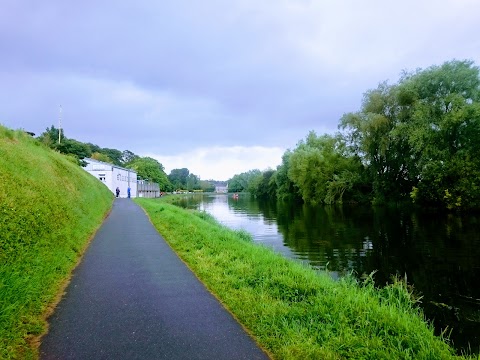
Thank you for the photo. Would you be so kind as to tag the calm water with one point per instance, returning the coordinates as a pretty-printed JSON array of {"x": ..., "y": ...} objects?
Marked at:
[{"x": 439, "y": 253}]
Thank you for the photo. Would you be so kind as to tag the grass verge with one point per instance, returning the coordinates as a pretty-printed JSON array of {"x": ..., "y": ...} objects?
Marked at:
[
  {"x": 49, "y": 209},
  {"x": 291, "y": 310}
]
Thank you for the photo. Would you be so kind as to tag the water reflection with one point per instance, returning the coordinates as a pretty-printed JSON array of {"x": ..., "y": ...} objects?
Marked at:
[{"x": 439, "y": 253}]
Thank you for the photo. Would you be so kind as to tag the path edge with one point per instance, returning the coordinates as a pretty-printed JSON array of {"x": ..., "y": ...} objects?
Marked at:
[
  {"x": 35, "y": 341},
  {"x": 249, "y": 333}
]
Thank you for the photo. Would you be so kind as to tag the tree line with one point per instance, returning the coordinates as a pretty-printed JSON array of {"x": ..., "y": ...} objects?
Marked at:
[
  {"x": 417, "y": 140},
  {"x": 147, "y": 168}
]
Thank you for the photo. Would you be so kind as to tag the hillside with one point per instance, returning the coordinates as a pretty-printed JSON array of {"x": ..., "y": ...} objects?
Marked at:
[{"x": 49, "y": 209}]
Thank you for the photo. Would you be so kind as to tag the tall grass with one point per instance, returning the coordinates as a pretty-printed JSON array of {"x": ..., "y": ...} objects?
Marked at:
[
  {"x": 49, "y": 208},
  {"x": 291, "y": 310}
]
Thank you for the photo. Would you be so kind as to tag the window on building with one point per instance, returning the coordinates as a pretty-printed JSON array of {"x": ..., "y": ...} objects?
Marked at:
[
  {"x": 102, "y": 177},
  {"x": 119, "y": 177}
]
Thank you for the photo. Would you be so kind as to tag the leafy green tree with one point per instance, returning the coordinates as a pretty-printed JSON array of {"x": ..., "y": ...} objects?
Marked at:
[
  {"x": 178, "y": 178},
  {"x": 193, "y": 182},
  {"x": 151, "y": 170},
  {"x": 444, "y": 133},
  {"x": 207, "y": 186},
  {"x": 49, "y": 137},
  {"x": 420, "y": 137},
  {"x": 254, "y": 184},
  {"x": 374, "y": 135},
  {"x": 262, "y": 186},
  {"x": 322, "y": 169},
  {"x": 285, "y": 188},
  {"x": 236, "y": 184},
  {"x": 128, "y": 157},
  {"x": 94, "y": 148},
  {"x": 66, "y": 146},
  {"x": 240, "y": 182},
  {"x": 101, "y": 157},
  {"x": 113, "y": 154},
  {"x": 77, "y": 148}
]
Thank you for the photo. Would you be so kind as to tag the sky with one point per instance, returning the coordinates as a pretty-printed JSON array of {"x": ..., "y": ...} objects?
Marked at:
[{"x": 218, "y": 87}]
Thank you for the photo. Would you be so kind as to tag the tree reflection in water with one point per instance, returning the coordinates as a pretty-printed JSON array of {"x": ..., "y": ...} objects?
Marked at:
[{"x": 438, "y": 253}]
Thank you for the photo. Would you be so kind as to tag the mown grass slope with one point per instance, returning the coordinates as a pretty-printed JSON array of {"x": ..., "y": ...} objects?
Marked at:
[
  {"x": 49, "y": 209},
  {"x": 293, "y": 311}
]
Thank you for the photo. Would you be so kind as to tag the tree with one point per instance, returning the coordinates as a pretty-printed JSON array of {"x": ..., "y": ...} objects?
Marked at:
[
  {"x": 71, "y": 146},
  {"x": 322, "y": 169},
  {"x": 101, "y": 157},
  {"x": 178, "y": 178},
  {"x": 151, "y": 170},
  {"x": 373, "y": 134},
  {"x": 207, "y": 186},
  {"x": 262, "y": 186},
  {"x": 49, "y": 137},
  {"x": 240, "y": 182},
  {"x": 94, "y": 148},
  {"x": 285, "y": 188},
  {"x": 444, "y": 133},
  {"x": 67, "y": 146},
  {"x": 128, "y": 157},
  {"x": 420, "y": 137},
  {"x": 114, "y": 154},
  {"x": 193, "y": 182}
]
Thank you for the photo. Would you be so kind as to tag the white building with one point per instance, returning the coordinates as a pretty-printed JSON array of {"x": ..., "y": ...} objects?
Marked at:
[
  {"x": 221, "y": 187},
  {"x": 113, "y": 176}
]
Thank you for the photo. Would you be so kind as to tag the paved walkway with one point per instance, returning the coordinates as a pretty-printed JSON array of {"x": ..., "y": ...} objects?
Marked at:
[{"x": 132, "y": 298}]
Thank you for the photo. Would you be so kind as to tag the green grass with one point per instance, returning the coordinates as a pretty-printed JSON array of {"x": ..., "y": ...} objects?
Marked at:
[
  {"x": 49, "y": 209},
  {"x": 292, "y": 311}
]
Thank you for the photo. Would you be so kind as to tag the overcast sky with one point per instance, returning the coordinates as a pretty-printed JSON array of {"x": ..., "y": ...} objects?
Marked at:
[{"x": 219, "y": 87}]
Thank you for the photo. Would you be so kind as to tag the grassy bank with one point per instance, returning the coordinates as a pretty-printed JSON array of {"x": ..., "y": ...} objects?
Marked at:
[
  {"x": 49, "y": 208},
  {"x": 292, "y": 311}
]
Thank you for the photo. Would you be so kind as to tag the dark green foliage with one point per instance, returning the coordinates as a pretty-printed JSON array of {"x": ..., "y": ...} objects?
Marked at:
[
  {"x": 241, "y": 182},
  {"x": 207, "y": 186},
  {"x": 421, "y": 136},
  {"x": 263, "y": 185},
  {"x": 66, "y": 146},
  {"x": 178, "y": 178},
  {"x": 151, "y": 170},
  {"x": 417, "y": 140},
  {"x": 444, "y": 132},
  {"x": 193, "y": 182},
  {"x": 128, "y": 157},
  {"x": 285, "y": 188},
  {"x": 116, "y": 156},
  {"x": 323, "y": 170}
]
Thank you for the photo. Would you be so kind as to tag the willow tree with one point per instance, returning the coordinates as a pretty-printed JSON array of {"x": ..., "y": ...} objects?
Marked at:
[
  {"x": 444, "y": 133},
  {"x": 373, "y": 134},
  {"x": 322, "y": 169},
  {"x": 285, "y": 188},
  {"x": 421, "y": 137}
]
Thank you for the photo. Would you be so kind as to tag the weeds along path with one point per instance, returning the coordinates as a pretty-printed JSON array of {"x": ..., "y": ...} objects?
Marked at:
[{"x": 133, "y": 298}]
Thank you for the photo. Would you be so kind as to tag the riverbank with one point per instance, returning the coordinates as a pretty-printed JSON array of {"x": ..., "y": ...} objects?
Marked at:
[
  {"x": 49, "y": 208},
  {"x": 291, "y": 310}
]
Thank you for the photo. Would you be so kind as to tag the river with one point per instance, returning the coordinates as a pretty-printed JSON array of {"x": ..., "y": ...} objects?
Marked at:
[{"x": 438, "y": 253}]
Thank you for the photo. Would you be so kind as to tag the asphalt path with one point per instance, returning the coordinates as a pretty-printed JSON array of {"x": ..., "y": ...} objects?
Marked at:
[{"x": 131, "y": 297}]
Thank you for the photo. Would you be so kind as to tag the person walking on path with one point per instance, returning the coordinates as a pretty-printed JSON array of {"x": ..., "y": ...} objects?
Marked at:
[
  {"x": 131, "y": 297},
  {"x": 128, "y": 192},
  {"x": 117, "y": 191}
]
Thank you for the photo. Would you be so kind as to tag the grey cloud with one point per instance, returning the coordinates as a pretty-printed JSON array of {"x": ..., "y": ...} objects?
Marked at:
[{"x": 196, "y": 74}]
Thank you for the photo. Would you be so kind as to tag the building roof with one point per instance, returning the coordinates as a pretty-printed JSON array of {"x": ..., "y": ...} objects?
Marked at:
[{"x": 90, "y": 160}]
